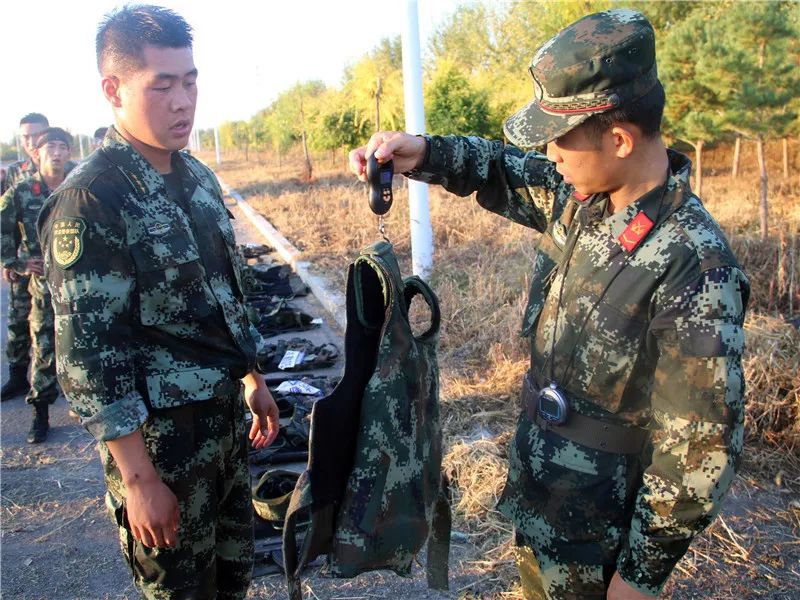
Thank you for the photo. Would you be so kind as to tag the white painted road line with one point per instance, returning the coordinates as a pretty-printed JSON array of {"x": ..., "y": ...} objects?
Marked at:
[{"x": 332, "y": 299}]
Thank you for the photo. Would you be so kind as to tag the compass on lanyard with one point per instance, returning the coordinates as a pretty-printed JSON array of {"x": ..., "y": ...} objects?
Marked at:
[{"x": 379, "y": 179}]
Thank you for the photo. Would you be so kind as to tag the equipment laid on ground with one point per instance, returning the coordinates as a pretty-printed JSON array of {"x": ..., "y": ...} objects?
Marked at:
[{"x": 270, "y": 290}]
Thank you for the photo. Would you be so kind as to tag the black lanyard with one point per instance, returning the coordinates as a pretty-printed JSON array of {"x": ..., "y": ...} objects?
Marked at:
[{"x": 569, "y": 249}]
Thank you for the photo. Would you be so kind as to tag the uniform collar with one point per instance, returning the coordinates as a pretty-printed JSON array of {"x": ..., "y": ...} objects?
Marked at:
[
  {"x": 145, "y": 179},
  {"x": 38, "y": 178},
  {"x": 650, "y": 203}
]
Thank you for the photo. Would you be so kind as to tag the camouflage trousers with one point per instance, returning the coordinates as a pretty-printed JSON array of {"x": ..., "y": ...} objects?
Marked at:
[
  {"x": 200, "y": 452},
  {"x": 44, "y": 384},
  {"x": 18, "y": 344},
  {"x": 571, "y": 507},
  {"x": 546, "y": 577}
]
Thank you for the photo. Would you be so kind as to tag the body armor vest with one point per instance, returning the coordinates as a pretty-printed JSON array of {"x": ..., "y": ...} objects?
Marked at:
[{"x": 373, "y": 485}]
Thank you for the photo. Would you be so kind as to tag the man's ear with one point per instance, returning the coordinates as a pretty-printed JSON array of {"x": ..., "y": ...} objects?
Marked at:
[
  {"x": 110, "y": 85},
  {"x": 624, "y": 140}
]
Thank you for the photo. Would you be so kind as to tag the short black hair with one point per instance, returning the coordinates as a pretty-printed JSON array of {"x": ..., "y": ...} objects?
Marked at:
[
  {"x": 123, "y": 34},
  {"x": 53, "y": 134},
  {"x": 34, "y": 118},
  {"x": 646, "y": 113},
  {"x": 100, "y": 133}
]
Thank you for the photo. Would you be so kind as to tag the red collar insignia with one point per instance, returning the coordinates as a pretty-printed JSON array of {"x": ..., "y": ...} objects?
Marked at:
[
  {"x": 635, "y": 231},
  {"x": 36, "y": 188},
  {"x": 25, "y": 166}
]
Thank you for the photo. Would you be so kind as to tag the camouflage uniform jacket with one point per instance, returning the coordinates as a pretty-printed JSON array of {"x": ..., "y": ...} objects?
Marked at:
[
  {"x": 23, "y": 169},
  {"x": 19, "y": 209},
  {"x": 651, "y": 337},
  {"x": 143, "y": 320},
  {"x": 18, "y": 171}
]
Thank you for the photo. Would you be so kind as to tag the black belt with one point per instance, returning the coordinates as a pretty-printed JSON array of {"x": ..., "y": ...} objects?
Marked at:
[{"x": 586, "y": 431}]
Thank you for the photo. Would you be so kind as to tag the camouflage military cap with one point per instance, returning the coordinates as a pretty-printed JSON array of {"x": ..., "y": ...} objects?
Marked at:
[{"x": 596, "y": 64}]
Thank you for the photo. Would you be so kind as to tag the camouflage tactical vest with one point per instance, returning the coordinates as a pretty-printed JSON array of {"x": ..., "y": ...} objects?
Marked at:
[{"x": 373, "y": 485}]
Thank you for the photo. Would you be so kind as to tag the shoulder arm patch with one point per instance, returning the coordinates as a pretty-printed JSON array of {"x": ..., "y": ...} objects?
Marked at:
[{"x": 67, "y": 241}]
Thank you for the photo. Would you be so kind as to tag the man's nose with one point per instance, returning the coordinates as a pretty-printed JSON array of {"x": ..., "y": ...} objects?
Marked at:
[
  {"x": 181, "y": 99},
  {"x": 552, "y": 153}
]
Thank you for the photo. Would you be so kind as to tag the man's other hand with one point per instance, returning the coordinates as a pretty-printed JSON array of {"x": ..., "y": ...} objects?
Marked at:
[
  {"x": 618, "y": 589},
  {"x": 34, "y": 266},
  {"x": 407, "y": 152},
  {"x": 10, "y": 276},
  {"x": 265, "y": 412},
  {"x": 153, "y": 513},
  {"x": 152, "y": 508}
]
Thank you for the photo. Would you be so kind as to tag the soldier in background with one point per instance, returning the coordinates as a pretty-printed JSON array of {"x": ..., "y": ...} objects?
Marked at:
[
  {"x": 30, "y": 126},
  {"x": 18, "y": 344},
  {"x": 97, "y": 138},
  {"x": 20, "y": 252},
  {"x": 152, "y": 334},
  {"x": 633, "y": 418}
]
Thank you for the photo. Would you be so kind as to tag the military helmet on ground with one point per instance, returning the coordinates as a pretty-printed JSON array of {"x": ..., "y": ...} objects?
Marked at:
[{"x": 272, "y": 493}]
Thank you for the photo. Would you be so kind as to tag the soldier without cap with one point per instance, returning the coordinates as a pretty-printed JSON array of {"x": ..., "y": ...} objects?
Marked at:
[
  {"x": 634, "y": 404},
  {"x": 18, "y": 344},
  {"x": 151, "y": 329},
  {"x": 30, "y": 126},
  {"x": 97, "y": 137}
]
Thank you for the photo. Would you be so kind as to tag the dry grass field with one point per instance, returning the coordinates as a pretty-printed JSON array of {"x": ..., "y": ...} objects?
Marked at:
[{"x": 481, "y": 266}]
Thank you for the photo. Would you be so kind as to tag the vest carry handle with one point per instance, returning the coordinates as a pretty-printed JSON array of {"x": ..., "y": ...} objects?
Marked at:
[{"x": 414, "y": 286}]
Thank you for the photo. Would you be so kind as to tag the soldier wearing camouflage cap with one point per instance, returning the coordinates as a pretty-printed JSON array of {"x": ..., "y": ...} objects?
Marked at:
[
  {"x": 633, "y": 408},
  {"x": 20, "y": 252},
  {"x": 152, "y": 334}
]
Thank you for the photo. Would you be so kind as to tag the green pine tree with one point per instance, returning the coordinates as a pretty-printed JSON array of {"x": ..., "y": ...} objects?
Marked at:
[
  {"x": 693, "y": 110},
  {"x": 751, "y": 63}
]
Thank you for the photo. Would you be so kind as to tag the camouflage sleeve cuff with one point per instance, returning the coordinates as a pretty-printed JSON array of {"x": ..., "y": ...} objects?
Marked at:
[
  {"x": 647, "y": 577},
  {"x": 462, "y": 165},
  {"x": 261, "y": 349},
  {"x": 424, "y": 169},
  {"x": 120, "y": 418}
]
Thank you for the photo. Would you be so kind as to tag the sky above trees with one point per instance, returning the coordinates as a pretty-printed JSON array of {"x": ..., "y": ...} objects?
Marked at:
[{"x": 247, "y": 53}]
